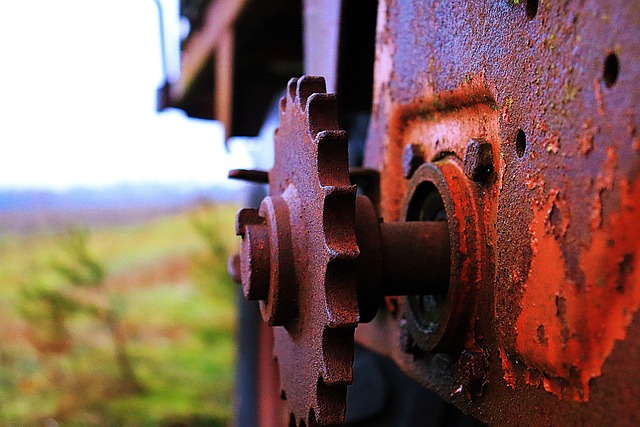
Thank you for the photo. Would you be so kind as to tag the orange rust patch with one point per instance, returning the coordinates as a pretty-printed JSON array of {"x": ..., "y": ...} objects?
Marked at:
[
  {"x": 597, "y": 89},
  {"x": 392, "y": 183},
  {"x": 567, "y": 331},
  {"x": 534, "y": 181},
  {"x": 441, "y": 123},
  {"x": 585, "y": 140},
  {"x": 586, "y": 143},
  {"x": 604, "y": 181},
  {"x": 532, "y": 378},
  {"x": 551, "y": 142}
]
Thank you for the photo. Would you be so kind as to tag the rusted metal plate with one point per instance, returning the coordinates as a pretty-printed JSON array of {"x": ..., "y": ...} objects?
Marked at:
[{"x": 552, "y": 87}]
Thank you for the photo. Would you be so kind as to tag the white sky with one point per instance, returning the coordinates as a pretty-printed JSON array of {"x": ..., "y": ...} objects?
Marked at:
[{"x": 78, "y": 83}]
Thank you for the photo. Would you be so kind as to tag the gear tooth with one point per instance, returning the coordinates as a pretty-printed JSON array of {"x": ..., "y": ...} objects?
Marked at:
[
  {"x": 331, "y": 407},
  {"x": 340, "y": 294},
  {"x": 337, "y": 348},
  {"x": 322, "y": 113},
  {"x": 333, "y": 158},
  {"x": 338, "y": 217},
  {"x": 311, "y": 419},
  {"x": 291, "y": 88},
  {"x": 308, "y": 85}
]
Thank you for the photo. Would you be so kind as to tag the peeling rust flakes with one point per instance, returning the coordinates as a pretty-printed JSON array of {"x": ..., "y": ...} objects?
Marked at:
[
  {"x": 585, "y": 139},
  {"x": 567, "y": 256},
  {"x": 603, "y": 182},
  {"x": 585, "y": 142},
  {"x": 625, "y": 268},
  {"x": 505, "y": 111},
  {"x": 534, "y": 182},
  {"x": 542, "y": 336},
  {"x": 551, "y": 142},
  {"x": 558, "y": 217},
  {"x": 597, "y": 89},
  {"x": 469, "y": 107},
  {"x": 566, "y": 332},
  {"x": 595, "y": 219}
]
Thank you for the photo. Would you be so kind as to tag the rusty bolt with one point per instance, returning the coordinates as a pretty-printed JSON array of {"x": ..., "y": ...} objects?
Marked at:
[
  {"x": 412, "y": 158},
  {"x": 478, "y": 159}
]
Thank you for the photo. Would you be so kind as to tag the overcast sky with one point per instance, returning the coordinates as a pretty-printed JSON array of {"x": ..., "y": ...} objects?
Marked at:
[{"x": 77, "y": 100}]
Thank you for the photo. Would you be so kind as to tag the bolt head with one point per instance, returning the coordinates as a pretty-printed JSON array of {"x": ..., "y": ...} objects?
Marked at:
[{"x": 478, "y": 160}]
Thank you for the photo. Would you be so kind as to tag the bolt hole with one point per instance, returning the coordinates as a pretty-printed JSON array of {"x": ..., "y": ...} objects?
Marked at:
[
  {"x": 611, "y": 69},
  {"x": 427, "y": 205},
  {"x": 532, "y": 8},
  {"x": 521, "y": 143}
]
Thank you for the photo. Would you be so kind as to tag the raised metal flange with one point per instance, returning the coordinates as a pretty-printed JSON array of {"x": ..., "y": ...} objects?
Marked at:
[{"x": 437, "y": 192}]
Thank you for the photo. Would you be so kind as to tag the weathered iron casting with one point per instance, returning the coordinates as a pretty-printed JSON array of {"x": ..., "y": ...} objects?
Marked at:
[
  {"x": 546, "y": 95},
  {"x": 318, "y": 258},
  {"x": 507, "y": 138}
]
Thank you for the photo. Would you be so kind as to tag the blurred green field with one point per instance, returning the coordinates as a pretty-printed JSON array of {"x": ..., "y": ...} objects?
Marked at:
[{"x": 166, "y": 281}]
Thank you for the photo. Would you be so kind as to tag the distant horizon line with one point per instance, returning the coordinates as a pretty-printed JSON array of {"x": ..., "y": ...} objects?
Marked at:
[{"x": 187, "y": 184}]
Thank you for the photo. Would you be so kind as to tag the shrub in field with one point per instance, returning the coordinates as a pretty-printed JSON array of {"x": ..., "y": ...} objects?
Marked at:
[
  {"x": 149, "y": 298},
  {"x": 76, "y": 286}
]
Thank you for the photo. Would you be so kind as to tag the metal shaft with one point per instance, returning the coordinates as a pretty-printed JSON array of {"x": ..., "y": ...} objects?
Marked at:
[{"x": 416, "y": 257}]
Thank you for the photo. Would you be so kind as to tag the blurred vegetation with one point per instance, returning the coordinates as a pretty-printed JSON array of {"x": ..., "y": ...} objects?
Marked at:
[{"x": 126, "y": 325}]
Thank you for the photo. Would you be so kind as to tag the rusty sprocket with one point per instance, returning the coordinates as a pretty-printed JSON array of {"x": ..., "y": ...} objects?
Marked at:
[
  {"x": 299, "y": 255},
  {"x": 315, "y": 351}
]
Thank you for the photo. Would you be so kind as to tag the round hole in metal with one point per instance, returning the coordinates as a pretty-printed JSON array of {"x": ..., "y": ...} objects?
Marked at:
[{"x": 427, "y": 205}]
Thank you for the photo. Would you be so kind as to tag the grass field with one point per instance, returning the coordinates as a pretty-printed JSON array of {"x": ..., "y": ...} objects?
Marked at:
[{"x": 167, "y": 289}]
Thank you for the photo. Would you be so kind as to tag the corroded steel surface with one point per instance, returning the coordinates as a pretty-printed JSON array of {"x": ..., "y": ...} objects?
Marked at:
[{"x": 552, "y": 87}]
